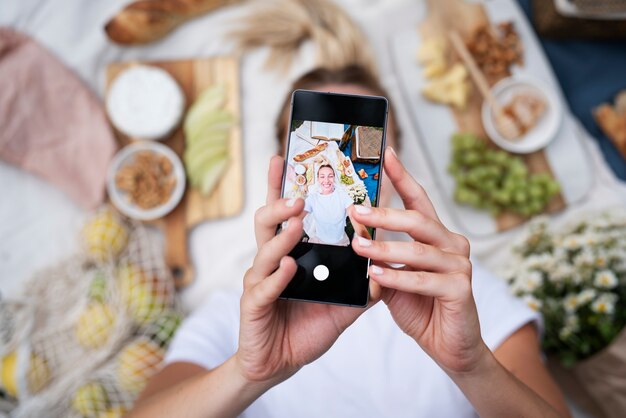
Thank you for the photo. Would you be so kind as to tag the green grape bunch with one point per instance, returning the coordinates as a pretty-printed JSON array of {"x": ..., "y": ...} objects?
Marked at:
[{"x": 494, "y": 180}]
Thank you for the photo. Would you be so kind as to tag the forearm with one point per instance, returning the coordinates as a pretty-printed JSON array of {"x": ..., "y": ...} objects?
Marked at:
[
  {"x": 495, "y": 392},
  {"x": 221, "y": 392}
]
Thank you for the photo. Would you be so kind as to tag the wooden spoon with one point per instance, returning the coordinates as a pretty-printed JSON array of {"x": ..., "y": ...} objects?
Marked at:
[{"x": 504, "y": 123}]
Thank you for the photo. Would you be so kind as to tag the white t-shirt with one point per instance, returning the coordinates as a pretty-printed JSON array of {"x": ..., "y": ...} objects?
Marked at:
[
  {"x": 329, "y": 212},
  {"x": 373, "y": 370}
]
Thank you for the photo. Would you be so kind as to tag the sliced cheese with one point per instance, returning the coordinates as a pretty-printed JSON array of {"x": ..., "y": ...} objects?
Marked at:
[{"x": 451, "y": 88}]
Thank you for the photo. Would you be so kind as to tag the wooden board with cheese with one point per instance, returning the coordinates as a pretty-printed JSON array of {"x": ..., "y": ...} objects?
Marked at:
[
  {"x": 226, "y": 199},
  {"x": 438, "y": 18}
]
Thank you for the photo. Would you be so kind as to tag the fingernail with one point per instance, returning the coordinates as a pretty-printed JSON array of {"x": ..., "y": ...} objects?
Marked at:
[
  {"x": 393, "y": 151},
  {"x": 363, "y": 242},
  {"x": 363, "y": 210},
  {"x": 286, "y": 224},
  {"x": 283, "y": 260},
  {"x": 290, "y": 202},
  {"x": 377, "y": 270}
]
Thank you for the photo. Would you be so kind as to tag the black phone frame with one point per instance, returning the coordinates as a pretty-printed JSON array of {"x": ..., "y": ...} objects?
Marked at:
[{"x": 353, "y": 290}]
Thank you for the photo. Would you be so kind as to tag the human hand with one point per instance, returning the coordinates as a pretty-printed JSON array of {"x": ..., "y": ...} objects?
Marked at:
[
  {"x": 431, "y": 297},
  {"x": 278, "y": 337}
]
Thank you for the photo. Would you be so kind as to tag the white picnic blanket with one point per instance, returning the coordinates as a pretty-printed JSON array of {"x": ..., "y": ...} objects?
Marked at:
[{"x": 38, "y": 224}]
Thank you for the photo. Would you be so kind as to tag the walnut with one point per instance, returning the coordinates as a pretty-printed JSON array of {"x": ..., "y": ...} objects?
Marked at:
[
  {"x": 147, "y": 179},
  {"x": 496, "y": 49}
]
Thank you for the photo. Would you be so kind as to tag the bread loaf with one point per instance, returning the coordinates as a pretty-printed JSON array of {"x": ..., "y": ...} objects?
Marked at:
[
  {"x": 146, "y": 21},
  {"x": 311, "y": 153}
]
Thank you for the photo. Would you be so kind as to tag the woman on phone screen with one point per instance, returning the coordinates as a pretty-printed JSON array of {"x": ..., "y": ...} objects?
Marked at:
[{"x": 327, "y": 204}]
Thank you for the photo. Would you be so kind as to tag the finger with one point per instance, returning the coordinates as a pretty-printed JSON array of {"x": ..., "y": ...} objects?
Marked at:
[
  {"x": 447, "y": 287},
  {"x": 417, "y": 225},
  {"x": 411, "y": 192},
  {"x": 268, "y": 217},
  {"x": 275, "y": 179},
  {"x": 415, "y": 255},
  {"x": 270, "y": 288},
  {"x": 375, "y": 292},
  {"x": 270, "y": 253}
]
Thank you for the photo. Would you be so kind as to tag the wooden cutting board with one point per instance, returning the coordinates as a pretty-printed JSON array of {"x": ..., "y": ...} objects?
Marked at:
[
  {"x": 465, "y": 18},
  {"x": 226, "y": 200}
]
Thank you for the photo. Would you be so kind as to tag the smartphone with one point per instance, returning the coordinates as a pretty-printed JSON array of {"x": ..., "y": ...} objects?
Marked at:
[{"x": 333, "y": 160}]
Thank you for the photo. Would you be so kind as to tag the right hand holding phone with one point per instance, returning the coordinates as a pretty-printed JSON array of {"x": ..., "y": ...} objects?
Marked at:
[
  {"x": 278, "y": 337},
  {"x": 431, "y": 297}
]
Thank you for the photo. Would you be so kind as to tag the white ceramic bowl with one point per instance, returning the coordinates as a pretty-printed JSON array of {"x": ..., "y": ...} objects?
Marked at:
[
  {"x": 548, "y": 125},
  {"x": 119, "y": 198},
  {"x": 145, "y": 102}
]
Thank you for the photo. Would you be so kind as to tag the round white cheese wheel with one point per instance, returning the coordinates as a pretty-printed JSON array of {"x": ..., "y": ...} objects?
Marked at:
[{"x": 145, "y": 102}]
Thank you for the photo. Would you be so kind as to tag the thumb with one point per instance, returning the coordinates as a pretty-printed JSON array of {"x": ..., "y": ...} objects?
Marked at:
[{"x": 270, "y": 288}]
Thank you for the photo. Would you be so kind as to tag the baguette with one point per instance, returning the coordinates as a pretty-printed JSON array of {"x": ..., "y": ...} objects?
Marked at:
[
  {"x": 310, "y": 153},
  {"x": 146, "y": 21}
]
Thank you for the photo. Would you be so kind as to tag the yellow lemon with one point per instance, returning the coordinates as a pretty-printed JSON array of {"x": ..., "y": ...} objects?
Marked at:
[
  {"x": 90, "y": 400},
  {"x": 145, "y": 297},
  {"x": 105, "y": 236},
  {"x": 38, "y": 374},
  {"x": 95, "y": 324},
  {"x": 98, "y": 287},
  {"x": 9, "y": 373},
  {"x": 164, "y": 327},
  {"x": 137, "y": 362}
]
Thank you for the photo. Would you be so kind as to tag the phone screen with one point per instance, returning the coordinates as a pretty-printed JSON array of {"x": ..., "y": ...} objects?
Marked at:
[{"x": 333, "y": 161}]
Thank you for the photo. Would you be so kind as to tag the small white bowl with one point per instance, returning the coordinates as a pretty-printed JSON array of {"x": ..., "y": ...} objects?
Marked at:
[
  {"x": 300, "y": 169},
  {"x": 540, "y": 135},
  {"x": 145, "y": 102},
  {"x": 118, "y": 197}
]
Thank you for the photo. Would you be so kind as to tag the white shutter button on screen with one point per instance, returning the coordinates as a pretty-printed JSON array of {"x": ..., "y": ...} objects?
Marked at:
[{"x": 321, "y": 272}]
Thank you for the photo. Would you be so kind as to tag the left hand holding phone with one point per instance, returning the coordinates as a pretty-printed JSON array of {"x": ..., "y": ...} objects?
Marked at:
[{"x": 278, "y": 337}]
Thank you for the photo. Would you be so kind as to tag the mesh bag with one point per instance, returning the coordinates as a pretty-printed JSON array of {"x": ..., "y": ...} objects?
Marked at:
[{"x": 88, "y": 333}]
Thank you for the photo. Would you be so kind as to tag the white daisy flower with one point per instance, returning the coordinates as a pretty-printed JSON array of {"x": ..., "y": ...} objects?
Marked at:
[
  {"x": 605, "y": 279},
  {"x": 602, "y": 259},
  {"x": 565, "y": 333},
  {"x": 542, "y": 261},
  {"x": 571, "y": 321},
  {"x": 586, "y": 296},
  {"x": 532, "y": 280},
  {"x": 562, "y": 271},
  {"x": 532, "y": 302},
  {"x": 601, "y": 222},
  {"x": 590, "y": 239},
  {"x": 585, "y": 258},
  {"x": 604, "y": 304},
  {"x": 570, "y": 303},
  {"x": 572, "y": 242}
]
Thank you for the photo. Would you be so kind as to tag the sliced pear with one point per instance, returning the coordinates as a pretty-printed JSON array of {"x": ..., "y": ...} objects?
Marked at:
[
  {"x": 196, "y": 173},
  {"x": 198, "y": 162},
  {"x": 216, "y": 123},
  {"x": 210, "y": 99},
  {"x": 212, "y": 176},
  {"x": 207, "y": 130}
]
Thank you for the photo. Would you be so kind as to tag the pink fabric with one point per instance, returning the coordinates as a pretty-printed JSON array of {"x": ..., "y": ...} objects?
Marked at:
[{"x": 50, "y": 123}]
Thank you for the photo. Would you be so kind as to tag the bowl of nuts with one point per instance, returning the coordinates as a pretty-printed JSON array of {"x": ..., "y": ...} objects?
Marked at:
[{"x": 146, "y": 180}]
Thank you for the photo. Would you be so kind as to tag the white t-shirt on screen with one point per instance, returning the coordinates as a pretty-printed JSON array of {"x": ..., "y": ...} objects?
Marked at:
[
  {"x": 329, "y": 213},
  {"x": 373, "y": 370}
]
